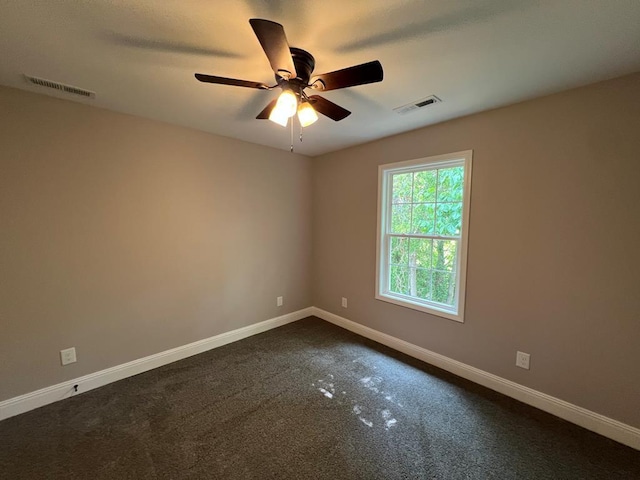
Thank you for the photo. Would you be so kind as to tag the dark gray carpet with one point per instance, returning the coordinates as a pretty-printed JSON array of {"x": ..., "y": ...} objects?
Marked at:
[{"x": 305, "y": 401}]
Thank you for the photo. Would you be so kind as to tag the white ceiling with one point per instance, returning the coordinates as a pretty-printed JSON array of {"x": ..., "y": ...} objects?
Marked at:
[{"x": 140, "y": 57}]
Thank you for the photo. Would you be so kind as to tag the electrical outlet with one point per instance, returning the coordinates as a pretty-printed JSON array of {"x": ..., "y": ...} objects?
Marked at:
[
  {"x": 344, "y": 302},
  {"x": 68, "y": 356},
  {"x": 279, "y": 302},
  {"x": 522, "y": 360}
]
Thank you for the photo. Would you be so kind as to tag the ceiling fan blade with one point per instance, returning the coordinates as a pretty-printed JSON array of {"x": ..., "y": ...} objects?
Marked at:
[
  {"x": 274, "y": 43},
  {"x": 327, "y": 108},
  {"x": 264, "y": 114},
  {"x": 231, "y": 81},
  {"x": 370, "y": 72}
]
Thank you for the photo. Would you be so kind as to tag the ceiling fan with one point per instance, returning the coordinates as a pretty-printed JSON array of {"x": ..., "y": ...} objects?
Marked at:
[{"x": 293, "y": 68}]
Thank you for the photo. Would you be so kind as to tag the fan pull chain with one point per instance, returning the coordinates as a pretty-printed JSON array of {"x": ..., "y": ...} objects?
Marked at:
[
  {"x": 301, "y": 133},
  {"x": 291, "y": 135}
]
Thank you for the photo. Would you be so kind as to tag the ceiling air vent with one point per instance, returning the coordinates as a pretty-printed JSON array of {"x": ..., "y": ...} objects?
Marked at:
[
  {"x": 60, "y": 86},
  {"x": 418, "y": 104}
]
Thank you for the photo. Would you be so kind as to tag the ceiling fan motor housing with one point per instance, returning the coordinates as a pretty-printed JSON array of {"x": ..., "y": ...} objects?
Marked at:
[{"x": 304, "y": 63}]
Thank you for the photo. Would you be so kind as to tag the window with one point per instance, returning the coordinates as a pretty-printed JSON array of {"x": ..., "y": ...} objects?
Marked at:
[{"x": 423, "y": 218}]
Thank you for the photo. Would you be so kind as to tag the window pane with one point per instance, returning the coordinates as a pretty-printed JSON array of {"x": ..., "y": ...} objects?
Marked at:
[
  {"x": 444, "y": 255},
  {"x": 401, "y": 187},
  {"x": 424, "y": 186},
  {"x": 443, "y": 287},
  {"x": 450, "y": 184},
  {"x": 399, "y": 250},
  {"x": 448, "y": 218},
  {"x": 420, "y": 252},
  {"x": 399, "y": 279},
  {"x": 401, "y": 218},
  {"x": 423, "y": 218},
  {"x": 423, "y": 283}
]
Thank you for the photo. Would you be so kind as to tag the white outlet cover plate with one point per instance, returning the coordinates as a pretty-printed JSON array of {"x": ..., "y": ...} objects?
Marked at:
[
  {"x": 68, "y": 356},
  {"x": 279, "y": 301},
  {"x": 522, "y": 360},
  {"x": 344, "y": 302}
]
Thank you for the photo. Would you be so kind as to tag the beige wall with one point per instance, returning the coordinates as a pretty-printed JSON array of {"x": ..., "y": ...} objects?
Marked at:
[
  {"x": 553, "y": 262},
  {"x": 124, "y": 237}
]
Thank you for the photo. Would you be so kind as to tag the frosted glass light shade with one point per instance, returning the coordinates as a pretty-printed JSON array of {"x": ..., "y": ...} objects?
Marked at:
[
  {"x": 287, "y": 103},
  {"x": 286, "y": 107},
  {"x": 276, "y": 116},
  {"x": 306, "y": 114}
]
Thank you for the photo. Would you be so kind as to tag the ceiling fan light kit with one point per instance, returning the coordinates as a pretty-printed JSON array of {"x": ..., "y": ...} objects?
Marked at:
[{"x": 293, "y": 68}]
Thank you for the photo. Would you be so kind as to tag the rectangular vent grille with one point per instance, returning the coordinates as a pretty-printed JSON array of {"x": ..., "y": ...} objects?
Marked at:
[
  {"x": 418, "y": 104},
  {"x": 60, "y": 86}
]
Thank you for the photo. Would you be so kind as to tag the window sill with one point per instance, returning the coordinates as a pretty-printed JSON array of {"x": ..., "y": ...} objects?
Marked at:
[{"x": 403, "y": 302}]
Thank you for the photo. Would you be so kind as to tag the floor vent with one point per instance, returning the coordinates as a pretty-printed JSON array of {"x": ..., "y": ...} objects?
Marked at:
[
  {"x": 60, "y": 86},
  {"x": 418, "y": 104}
]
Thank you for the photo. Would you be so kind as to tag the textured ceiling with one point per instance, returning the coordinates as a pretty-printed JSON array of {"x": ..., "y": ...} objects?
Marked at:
[{"x": 140, "y": 57}]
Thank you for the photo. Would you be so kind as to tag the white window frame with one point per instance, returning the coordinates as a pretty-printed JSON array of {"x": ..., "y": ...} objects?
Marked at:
[{"x": 385, "y": 173}]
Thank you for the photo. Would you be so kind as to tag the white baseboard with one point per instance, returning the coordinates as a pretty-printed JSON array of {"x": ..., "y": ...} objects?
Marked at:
[
  {"x": 44, "y": 396},
  {"x": 595, "y": 422}
]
